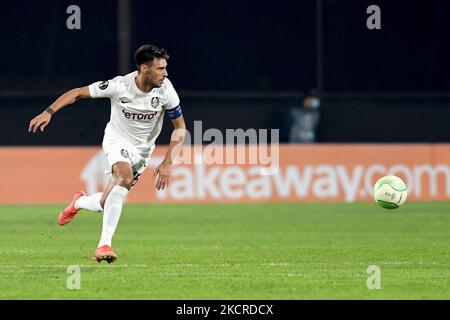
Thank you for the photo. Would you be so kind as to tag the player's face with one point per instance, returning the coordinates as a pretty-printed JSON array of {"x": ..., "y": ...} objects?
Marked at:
[{"x": 157, "y": 72}]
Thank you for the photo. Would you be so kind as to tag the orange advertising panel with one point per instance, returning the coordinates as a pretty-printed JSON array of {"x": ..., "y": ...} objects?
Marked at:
[{"x": 289, "y": 173}]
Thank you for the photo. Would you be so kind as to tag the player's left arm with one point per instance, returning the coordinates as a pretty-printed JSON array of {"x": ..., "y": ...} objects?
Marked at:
[{"x": 176, "y": 141}]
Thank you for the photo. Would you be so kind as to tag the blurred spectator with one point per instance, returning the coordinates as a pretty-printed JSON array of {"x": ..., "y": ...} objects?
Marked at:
[{"x": 304, "y": 121}]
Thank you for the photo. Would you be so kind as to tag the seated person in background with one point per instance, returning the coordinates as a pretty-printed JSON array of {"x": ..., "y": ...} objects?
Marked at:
[{"x": 304, "y": 121}]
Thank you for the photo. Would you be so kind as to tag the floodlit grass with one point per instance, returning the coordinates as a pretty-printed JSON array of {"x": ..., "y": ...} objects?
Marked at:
[{"x": 266, "y": 251}]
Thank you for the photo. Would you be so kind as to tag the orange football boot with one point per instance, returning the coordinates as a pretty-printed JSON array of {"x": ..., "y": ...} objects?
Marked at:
[
  {"x": 105, "y": 253},
  {"x": 70, "y": 211}
]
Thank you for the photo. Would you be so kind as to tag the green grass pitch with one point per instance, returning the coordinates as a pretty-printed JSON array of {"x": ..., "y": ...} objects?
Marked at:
[{"x": 264, "y": 251}]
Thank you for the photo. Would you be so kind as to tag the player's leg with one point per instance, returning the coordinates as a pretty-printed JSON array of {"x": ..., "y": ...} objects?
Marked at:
[
  {"x": 105, "y": 194},
  {"x": 69, "y": 212},
  {"x": 80, "y": 201},
  {"x": 91, "y": 203},
  {"x": 123, "y": 179},
  {"x": 95, "y": 202}
]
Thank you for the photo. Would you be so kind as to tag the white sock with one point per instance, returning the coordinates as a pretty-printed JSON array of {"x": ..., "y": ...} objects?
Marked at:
[
  {"x": 111, "y": 215},
  {"x": 91, "y": 203}
]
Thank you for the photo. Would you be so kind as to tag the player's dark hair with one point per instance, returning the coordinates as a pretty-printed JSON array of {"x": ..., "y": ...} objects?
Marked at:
[{"x": 148, "y": 52}]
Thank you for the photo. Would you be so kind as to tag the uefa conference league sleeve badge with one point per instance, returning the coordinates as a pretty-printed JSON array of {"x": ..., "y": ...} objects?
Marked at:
[{"x": 103, "y": 85}]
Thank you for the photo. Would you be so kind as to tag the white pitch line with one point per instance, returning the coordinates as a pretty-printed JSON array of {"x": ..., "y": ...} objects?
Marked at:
[{"x": 79, "y": 265}]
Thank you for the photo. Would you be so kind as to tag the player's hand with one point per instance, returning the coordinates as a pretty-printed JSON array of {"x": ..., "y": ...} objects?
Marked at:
[
  {"x": 163, "y": 174},
  {"x": 39, "y": 122}
]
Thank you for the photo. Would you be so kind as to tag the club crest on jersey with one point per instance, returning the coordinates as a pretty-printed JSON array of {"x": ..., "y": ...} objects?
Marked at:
[
  {"x": 124, "y": 153},
  {"x": 103, "y": 85},
  {"x": 155, "y": 102}
]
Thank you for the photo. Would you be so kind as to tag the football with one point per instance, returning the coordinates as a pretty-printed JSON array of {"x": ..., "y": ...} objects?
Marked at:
[{"x": 390, "y": 192}]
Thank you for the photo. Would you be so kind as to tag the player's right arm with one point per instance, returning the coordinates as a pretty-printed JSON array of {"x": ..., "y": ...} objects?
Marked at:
[{"x": 43, "y": 119}]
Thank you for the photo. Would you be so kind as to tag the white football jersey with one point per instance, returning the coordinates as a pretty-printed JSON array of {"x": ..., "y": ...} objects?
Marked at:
[{"x": 136, "y": 116}]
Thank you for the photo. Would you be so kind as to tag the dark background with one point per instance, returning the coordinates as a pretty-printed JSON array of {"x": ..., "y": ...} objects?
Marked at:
[{"x": 388, "y": 85}]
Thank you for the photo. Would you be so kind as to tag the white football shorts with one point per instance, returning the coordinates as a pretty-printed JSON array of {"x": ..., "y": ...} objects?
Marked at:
[{"x": 117, "y": 150}]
